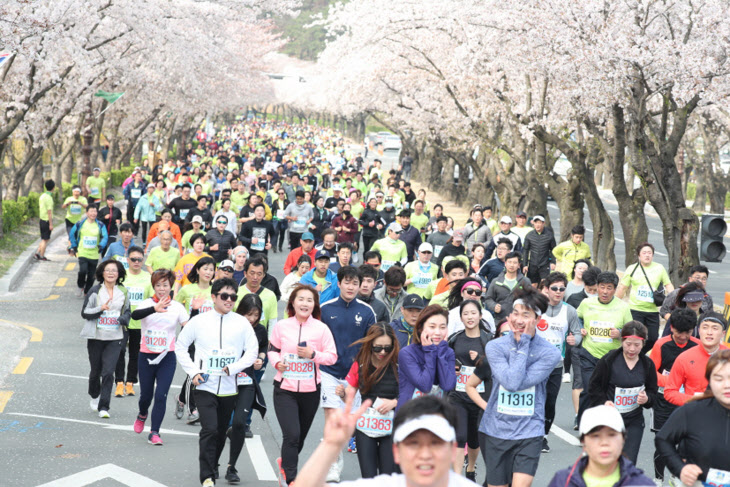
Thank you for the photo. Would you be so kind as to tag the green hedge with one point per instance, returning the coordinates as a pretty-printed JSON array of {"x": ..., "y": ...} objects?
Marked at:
[
  {"x": 15, "y": 213},
  {"x": 692, "y": 192}
]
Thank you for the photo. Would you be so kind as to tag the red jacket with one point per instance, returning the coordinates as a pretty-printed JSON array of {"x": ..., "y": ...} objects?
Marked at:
[
  {"x": 688, "y": 371},
  {"x": 293, "y": 257},
  {"x": 348, "y": 223},
  {"x": 665, "y": 363}
]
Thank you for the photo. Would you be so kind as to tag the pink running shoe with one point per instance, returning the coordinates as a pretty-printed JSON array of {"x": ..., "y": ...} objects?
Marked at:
[
  {"x": 282, "y": 475},
  {"x": 139, "y": 423},
  {"x": 154, "y": 439}
]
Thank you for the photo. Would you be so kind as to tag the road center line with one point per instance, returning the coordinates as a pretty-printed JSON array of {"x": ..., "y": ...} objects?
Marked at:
[
  {"x": 4, "y": 398},
  {"x": 564, "y": 435},
  {"x": 260, "y": 461},
  {"x": 23, "y": 365}
]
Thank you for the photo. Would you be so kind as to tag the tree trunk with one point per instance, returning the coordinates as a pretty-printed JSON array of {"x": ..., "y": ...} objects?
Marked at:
[{"x": 717, "y": 181}]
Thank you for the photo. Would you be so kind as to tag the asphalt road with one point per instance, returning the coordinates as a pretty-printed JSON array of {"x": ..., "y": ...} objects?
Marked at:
[{"x": 48, "y": 432}]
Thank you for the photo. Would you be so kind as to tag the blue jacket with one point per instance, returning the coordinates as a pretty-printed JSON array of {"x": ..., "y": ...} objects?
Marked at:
[
  {"x": 73, "y": 235},
  {"x": 517, "y": 366},
  {"x": 117, "y": 248},
  {"x": 402, "y": 332},
  {"x": 422, "y": 367},
  {"x": 348, "y": 323},
  {"x": 491, "y": 269},
  {"x": 630, "y": 475},
  {"x": 332, "y": 291},
  {"x": 144, "y": 212}
]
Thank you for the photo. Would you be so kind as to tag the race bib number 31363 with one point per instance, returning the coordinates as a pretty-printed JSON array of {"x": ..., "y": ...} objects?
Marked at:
[{"x": 374, "y": 424}]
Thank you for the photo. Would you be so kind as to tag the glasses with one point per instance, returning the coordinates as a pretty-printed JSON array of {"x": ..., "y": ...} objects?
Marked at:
[
  {"x": 222, "y": 222},
  {"x": 381, "y": 349},
  {"x": 225, "y": 269},
  {"x": 557, "y": 289},
  {"x": 227, "y": 297},
  {"x": 473, "y": 292},
  {"x": 700, "y": 279},
  {"x": 135, "y": 259},
  {"x": 111, "y": 271}
]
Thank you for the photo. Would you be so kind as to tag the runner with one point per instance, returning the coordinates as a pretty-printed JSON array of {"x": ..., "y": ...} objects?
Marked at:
[
  {"x": 132, "y": 193},
  {"x": 368, "y": 283},
  {"x": 219, "y": 241},
  {"x": 299, "y": 215},
  {"x": 538, "y": 245},
  {"x": 188, "y": 261},
  {"x": 305, "y": 247},
  {"x": 626, "y": 379},
  {"x": 421, "y": 272},
  {"x": 106, "y": 313},
  {"x": 568, "y": 252},
  {"x": 321, "y": 278},
  {"x": 502, "y": 289},
  {"x": 159, "y": 317},
  {"x": 119, "y": 249},
  {"x": 513, "y": 425},
  {"x": 225, "y": 344},
  {"x": 76, "y": 205},
  {"x": 293, "y": 278},
  {"x": 254, "y": 272},
  {"x": 427, "y": 366},
  {"x": 493, "y": 267},
  {"x": 165, "y": 256},
  {"x": 505, "y": 225},
  {"x": 466, "y": 289},
  {"x": 256, "y": 234},
  {"x": 88, "y": 237},
  {"x": 96, "y": 187},
  {"x": 392, "y": 293},
  {"x": 391, "y": 249},
  {"x": 146, "y": 210},
  {"x": 454, "y": 269},
  {"x": 297, "y": 347},
  {"x": 439, "y": 237},
  {"x": 476, "y": 231}
]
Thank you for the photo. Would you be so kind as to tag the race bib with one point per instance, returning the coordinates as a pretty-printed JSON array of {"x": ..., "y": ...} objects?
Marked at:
[
  {"x": 136, "y": 295},
  {"x": 435, "y": 391},
  {"x": 463, "y": 376},
  {"x": 554, "y": 340},
  {"x": 299, "y": 368},
  {"x": 74, "y": 209},
  {"x": 88, "y": 242},
  {"x": 644, "y": 293},
  {"x": 218, "y": 360},
  {"x": 108, "y": 321},
  {"x": 136, "y": 193},
  {"x": 155, "y": 340},
  {"x": 301, "y": 221},
  {"x": 387, "y": 264},
  {"x": 421, "y": 280},
  {"x": 437, "y": 250},
  {"x": 374, "y": 424},
  {"x": 259, "y": 245},
  {"x": 665, "y": 373},
  {"x": 95, "y": 191},
  {"x": 626, "y": 399},
  {"x": 122, "y": 260},
  {"x": 243, "y": 379},
  {"x": 280, "y": 214},
  {"x": 204, "y": 308},
  {"x": 600, "y": 331},
  {"x": 518, "y": 403},
  {"x": 717, "y": 478}
]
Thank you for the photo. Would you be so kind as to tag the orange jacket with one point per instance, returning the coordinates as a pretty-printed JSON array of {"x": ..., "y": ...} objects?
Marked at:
[
  {"x": 174, "y": 229},
  {"x": 688, "y": 371}
]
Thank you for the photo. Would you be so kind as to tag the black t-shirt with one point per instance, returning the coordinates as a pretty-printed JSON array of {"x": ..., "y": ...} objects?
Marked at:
[
  {"x": 331, "y": 202},
  {"x": 181, "y": 207},
  {"x": 385, "y": 388},
  {"x": 624, "y": 378},
  {"x": 462, "y": 345},
  {"x": 110, "y": 223}
]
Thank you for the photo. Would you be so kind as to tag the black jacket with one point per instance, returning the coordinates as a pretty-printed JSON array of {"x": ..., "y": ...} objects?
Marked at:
[
  {"x": 602, "y": 375},
  {"x": 537, "y": 249},
  {"x": 225, "y": 241},
  {"x": 322, "y": 219},
  {"x": 412, "y": 238},
  {"x": 381, "y": 310},
  {"x": 368, "y": 216}
]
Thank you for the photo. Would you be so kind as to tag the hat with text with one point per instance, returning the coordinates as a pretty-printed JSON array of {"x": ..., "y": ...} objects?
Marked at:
[
  {"x": 601, "y": 416},
  {"x": 226, "y": 265},
  {"x": 413, "y": 301},
  {"x": 322, "y": 254}
]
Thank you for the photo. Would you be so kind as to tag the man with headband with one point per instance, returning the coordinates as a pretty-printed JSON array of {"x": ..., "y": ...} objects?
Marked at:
[
  {"x": 424, "y": 446},
  {"x": 513, "y": 424}
]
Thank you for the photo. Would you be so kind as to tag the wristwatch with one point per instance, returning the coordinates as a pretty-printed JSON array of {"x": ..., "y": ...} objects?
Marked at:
[{"x": 314, "y": 352}]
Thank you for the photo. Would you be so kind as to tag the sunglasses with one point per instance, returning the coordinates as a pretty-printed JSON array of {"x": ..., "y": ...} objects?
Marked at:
[
  {"x": 557, "y": 289},
  {"x": 135, "y": 259},
  {"x": 226, "y": 296},
  {"x": 222, "y": 222},
  {"x": 473, "y": 292},
  {"x": 380, "y": 349}
]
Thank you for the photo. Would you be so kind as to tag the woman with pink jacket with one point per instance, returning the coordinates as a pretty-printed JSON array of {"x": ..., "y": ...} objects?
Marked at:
[{"x": 297, "y": 347}]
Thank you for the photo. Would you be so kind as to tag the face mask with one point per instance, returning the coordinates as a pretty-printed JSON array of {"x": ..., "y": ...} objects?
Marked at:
[
  {"x": 346, "y": 213},
  {"x": 389, "y": 205}
]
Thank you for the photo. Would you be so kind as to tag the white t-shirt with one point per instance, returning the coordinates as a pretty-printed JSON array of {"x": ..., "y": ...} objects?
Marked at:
[
  {"x": 158, "y": 329},
  {"x": 455, "y": 323},
  {"x": 399, "y": 480}
]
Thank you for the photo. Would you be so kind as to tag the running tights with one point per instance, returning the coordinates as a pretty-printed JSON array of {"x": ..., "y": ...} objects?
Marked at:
[
  {"x": 162, "y": 375},
  {"x": 295, "y": 412}
]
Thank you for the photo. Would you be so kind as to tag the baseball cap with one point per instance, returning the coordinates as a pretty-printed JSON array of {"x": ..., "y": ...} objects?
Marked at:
[
  {"x": 197, "y": 218},
  {"x": 307, "y": 236},
  {"x": 505, "y": 219},
  {"x": 539, "y": 218},
  {"x": 110, "y": 197},
  {"x": 434, "y": 423},
  {"x": 395, "y": 226},
  {"x": 226, "y": 264},
  {"x": 336, "y": 188},
  {"x": 97, "y": 169},
  {"x": 601, "y": 416},
  {"x": 521, "y": 214},
  {"x": 151, "y": 185},
  {"x": 425, "y": 247},
  {"x": 322, "y": 254},
  {"x": 458, "y": 235},
  {"x": 693, "y": 297},
  {"x": 413, "y": 301}
]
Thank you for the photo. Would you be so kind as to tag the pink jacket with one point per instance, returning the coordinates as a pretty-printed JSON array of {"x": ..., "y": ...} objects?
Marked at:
[{"x": 285, "y": 337}]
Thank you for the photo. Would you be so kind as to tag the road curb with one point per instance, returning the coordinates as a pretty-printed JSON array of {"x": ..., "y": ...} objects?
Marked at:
[{"x": 17, "y": 272}]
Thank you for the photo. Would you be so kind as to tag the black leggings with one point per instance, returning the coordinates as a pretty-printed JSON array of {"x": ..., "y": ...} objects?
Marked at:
[
  {"x": 295, "y": 412},
  {"x": 133, "y": 336},
  {"x": 246, "y": 396},
  {"x": 467, "y": 426},
  {"x": 367, "y": 243},
  {"x": 553, "y": 389},
  {"x": 215, "y": 414},
  {"x": 634, "y": 434},
  {"x": 85, "y": 277},
  {"x": 145, "y": 228},
  {"x": 375, "y": 455},
  {"x": 651, "y": 321}
]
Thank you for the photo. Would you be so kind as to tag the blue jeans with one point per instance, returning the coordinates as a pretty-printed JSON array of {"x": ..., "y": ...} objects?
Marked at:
[{"x": 161, "y": 373}]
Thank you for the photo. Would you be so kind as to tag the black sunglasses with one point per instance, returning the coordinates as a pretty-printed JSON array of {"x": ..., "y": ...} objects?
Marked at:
[
  {"x": 226, "y": 296},
  {"x": 379, "y": 348},
  {"x": 557, "y": 289},
  {"x": 473, "y": 292},
  {"x": 135, "y": 259}
]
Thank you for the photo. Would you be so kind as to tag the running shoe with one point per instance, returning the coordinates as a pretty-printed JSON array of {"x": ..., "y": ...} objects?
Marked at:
[
  {"x": 208, "y": 483},
  {"x": 193, "y": 417},
  {"x": 179, "y": 407},
  {"x": 575, "y": 423},
  {"x": 566, "y": 378},
  {"x": 37, "y": 256},
  {"x": 352, "y": 446},
  {"x": 79, "y": 292},
  {"x": 120, "y": 390},
  {"x": 249, "y": 433},
  {"x": 45, "y": 259},
  {"x": 104, "y": 414},
  {"x": 94, "y": 403},
  {"x": 282, "y": 475},
  {"x": 466, "y": 460},
  {"x": 232, "y": 475},
  {"x": 129, "y": 389},
  {"x": 545, "y": 446},
  {"x": 154, "y": 439},
  {"x": 471, "y": 475},
  {"x": 139, "y": 423}
]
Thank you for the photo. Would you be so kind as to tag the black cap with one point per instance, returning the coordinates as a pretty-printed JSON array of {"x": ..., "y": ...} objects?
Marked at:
[{"x": 413, "y": 301}]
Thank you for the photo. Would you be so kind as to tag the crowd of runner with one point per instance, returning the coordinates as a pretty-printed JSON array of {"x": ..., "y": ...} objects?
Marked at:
[{"x": 426, "y": 343}]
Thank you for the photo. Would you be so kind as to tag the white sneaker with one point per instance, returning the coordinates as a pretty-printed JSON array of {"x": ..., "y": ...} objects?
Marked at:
[
  {"x": 94, "y": 403},
  {"x": 566, "y": 378},
  {"x": 104, "y": 414},
  {"x": 333, "y": 475},
  {"x": 79, "y": 292}
]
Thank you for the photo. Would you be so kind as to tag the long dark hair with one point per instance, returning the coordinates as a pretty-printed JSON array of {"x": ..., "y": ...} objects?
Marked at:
[
  {"x": 455, "y": 297},
  {"x": 250, "y": 302},
  {"x": 193, "y": 275},
  {"x": 426, "y": 313},
  {"x": 364, "y": 358}
]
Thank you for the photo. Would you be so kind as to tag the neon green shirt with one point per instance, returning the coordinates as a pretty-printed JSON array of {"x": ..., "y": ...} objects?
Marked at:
[
  {"x": 641, "y": 297},
  {"x": 45, "y": 204},
  {"x": 598, "y": 319},
  {"x": 74, "y": 211},
  {"x": 421, "y": 275},
  {"x": 159, "y": 259},
  {"x": 139, "y": 288},
  {"x": 96, "y": 185},
  {"x": 186, "y": 294},
  {"x": 269, "y": 314},
  {"x": 186, "y": 239},
  {"x": 238, "y": 201},
  {"x": 89, "y": 240},
  {"x": 391, "y": 251},
  {"x": 608, "y": 481},
  {"x": 419, "y": 221}
]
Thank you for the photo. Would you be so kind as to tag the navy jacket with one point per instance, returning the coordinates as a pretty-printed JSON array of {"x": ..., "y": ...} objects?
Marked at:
[
  {"x": 348, "y": 323},
  {"x": 630, "y": 475}
]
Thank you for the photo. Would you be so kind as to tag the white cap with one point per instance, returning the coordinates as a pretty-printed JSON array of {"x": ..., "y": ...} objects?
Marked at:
[
  {"x": 197, "y": 218},
  {"x": 506, "y": 219},
  {"x": 425, "y": 247},
  {"x": 601, "y": 416},
  {"x": 434, "y": 423},
  {"x": 396, "y": 227},
  {"x": 226, "y": 263},
  {"x": 336, "y": 188}
]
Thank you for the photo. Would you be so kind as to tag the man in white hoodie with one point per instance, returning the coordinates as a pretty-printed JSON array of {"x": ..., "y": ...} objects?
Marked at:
[{"x": 225, "y": 344}]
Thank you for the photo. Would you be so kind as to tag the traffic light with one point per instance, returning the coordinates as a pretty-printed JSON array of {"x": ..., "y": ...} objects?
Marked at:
[{"x": 712, "y": 249}]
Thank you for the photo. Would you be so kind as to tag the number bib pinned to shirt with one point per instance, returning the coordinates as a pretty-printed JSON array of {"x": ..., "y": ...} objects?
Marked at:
[
  {"x": 243, "y": 379},
  {"x": 155, "y": 340},
  {"x": 135, "y": 193},
  {"x": 374, "y": 424},
  {"x": 387, "y": 264},
  {"x": 95, "y": 191},
  {"x": 74, "y": 209},
  {"x": 626, "y": 398},
  {"x": 218, "y": 360},
  {"x": 184, "y": 213},
  {"x": 299, "y": 368},
  {"x": 108, "y": 321},
  {"x": 717, "y": 478},
  {"x": 122, "y": 260},
  {"x": 437, "y": 250},
  {"x": 463, "y": 376},
  {"x": 518, "y": 403},
  {"x": 422, "y": 279},
  {"x": 88, "y": 242},
  {"x": 435, "y": 391},
  {"x": 600, "y": 331},
  {"x": 644, "y": 293}
]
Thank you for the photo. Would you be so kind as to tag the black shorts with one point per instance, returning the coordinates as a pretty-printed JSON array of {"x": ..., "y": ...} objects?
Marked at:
[
  {"x": 45, "y": 230},
  {"x": 506, "y": 457},
  {"x": 536, "y": 274}
]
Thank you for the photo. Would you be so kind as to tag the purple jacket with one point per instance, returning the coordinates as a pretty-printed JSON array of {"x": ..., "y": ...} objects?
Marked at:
[
  {"x": 630, "y": 475},
  {"x": 422, "y": 367}
]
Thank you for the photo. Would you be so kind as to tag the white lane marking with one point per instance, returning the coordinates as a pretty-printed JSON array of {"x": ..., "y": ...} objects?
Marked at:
[
  {"x": 613, "y": 212},
  {"x": 553, "y": 206},
  {"x": 660, "y": 253},
  {"x": 259, "y": 459},
  {"x": 656, "y": 231},
  {"x": 565, "y": 436},
  {"x": 103, "y": 472},
  {"x": 118, "y": 427},
  {"x": 86, "y": 378}
]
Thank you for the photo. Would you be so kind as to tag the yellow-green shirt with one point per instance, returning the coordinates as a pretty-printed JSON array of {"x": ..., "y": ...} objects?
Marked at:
[
  {"x": 89, "y": 240},
  {"x": 186, "y": 294},
  {"x": 159, "y": 259},
  {"x": 96, "y": 185},
  {"x": 139, "y": 288},
  {"x": 607, "y": 481},
  {"x": 641, "y": 297},
  {"x": 422, "y": 276},
  {"x": 74, "y": 211},
  {"x": 45, "y": 204},
  {"x": 269, "y": 314},
  {"x": 598, "y": 319}
]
